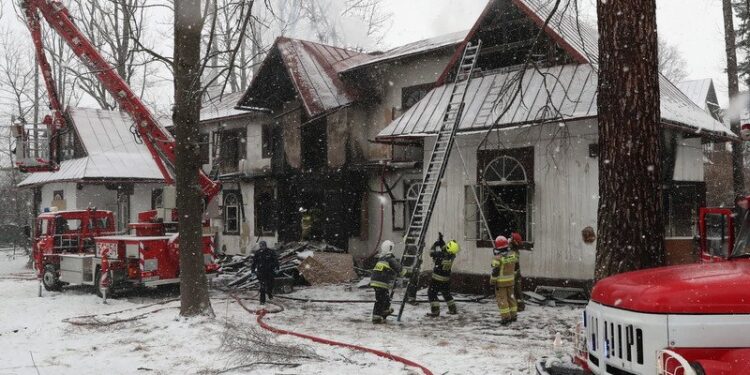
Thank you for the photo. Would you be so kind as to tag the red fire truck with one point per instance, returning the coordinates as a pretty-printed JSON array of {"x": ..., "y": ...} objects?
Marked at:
[
  {"x": 689, "y": 319},
  {"x": 70, "y": 246}
]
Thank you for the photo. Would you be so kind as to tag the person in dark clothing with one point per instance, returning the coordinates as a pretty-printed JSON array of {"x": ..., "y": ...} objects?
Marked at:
[
  {"x": 442, "y": 255},
  {"x": 383, "y": 275},
  {"x": 265, "y": 265}
]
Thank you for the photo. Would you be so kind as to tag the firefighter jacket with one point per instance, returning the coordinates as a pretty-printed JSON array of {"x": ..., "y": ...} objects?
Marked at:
[
  {"x": 385, "y": 272},
  {"x": 503, "y": 268},
  {"x": 265, "y": 262},
  {"x": 515, "y": 248},
  {"x": 443, "y": 263}
]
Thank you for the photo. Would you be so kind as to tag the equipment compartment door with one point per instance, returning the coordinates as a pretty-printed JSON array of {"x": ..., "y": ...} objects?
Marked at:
[{"x": 716, "y": 228}]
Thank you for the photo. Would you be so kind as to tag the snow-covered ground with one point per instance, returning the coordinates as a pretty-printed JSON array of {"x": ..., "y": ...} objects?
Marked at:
[{"x": 35, "y": 339}]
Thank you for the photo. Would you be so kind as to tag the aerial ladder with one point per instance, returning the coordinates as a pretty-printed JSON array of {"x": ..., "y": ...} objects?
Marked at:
[
  {"x": 159, "y": 142},
  {"x": 414, "y": 241}
]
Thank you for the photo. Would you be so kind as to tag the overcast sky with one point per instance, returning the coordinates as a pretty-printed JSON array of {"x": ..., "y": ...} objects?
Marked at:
[{"x": 694, "y": 26}]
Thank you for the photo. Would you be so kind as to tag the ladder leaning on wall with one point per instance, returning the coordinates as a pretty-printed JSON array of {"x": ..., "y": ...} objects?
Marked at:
[{"x": 415, "y": 235}]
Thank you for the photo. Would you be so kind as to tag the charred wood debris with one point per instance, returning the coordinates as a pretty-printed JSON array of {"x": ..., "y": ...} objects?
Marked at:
[{"x": 300, "y": 263}]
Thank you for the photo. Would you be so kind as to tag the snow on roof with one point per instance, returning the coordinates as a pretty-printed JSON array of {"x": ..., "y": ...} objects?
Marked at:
[
  {"x": 223, "y": 108},
  {"x": 112, "y": 151},
  {"x": 581, "y": 42},
  {"x": 415, "y": 48},
  {"x": 697, "y": 90},
  {"x": 314, "y": 71}
]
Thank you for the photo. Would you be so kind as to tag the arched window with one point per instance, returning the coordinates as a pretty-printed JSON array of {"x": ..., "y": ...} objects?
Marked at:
[
  {"x": 505, "y": 170},
  {"x": 231, "y": 213},
  {"x": 506, "y": 196}
]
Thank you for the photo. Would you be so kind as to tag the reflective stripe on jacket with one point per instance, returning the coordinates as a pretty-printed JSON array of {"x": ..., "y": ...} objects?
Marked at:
[
  {"x": 385, "y": 272},
  {"x": 503, "y": 269},
  {"x": 443, "y": 264}
]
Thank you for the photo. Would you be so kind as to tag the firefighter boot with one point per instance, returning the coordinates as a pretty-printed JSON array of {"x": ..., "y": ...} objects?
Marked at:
[
  {"x": 452, "y": 309},
  {"x": 434, "y": 310},
  {"x": 377, "y": 319},
  {"x": 388, "y": 313}
]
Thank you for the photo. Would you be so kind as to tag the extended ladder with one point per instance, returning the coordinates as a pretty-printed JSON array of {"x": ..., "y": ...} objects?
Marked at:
[{"x": 420, "y": 219}]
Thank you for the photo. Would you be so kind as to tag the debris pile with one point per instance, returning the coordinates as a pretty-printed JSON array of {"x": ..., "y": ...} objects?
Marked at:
[
  {"x": 313, "y": 263},
  {"x": 553, "y": 296}
]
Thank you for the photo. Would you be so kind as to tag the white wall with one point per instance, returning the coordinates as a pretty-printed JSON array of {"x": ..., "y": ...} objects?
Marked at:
[
  {"x": 565, "y": 200},
  {"x": 69, "y": 192},
  {"x": 247, "y": 239},
  {"x": 97, "y": 195}
]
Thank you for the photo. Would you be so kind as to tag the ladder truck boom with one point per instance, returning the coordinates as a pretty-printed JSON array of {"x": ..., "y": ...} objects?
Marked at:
[{"x": 159, "y": 142}]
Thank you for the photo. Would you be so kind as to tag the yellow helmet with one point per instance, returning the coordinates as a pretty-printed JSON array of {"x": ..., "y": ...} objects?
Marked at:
[{"x": 452, "y": 247}]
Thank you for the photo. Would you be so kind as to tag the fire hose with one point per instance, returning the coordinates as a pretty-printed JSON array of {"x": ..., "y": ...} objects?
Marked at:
[
  {"x": 262, "y": 313},
  {"x": 468, "y": 300}
]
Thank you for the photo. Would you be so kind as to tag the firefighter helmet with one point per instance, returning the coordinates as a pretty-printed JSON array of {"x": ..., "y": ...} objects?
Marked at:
[
  {"x": 516, "y": 237},
  {"x": 452, "y": 247},
  {"x": 386, "y": 248},
  {"x": 501, "y": 242}
]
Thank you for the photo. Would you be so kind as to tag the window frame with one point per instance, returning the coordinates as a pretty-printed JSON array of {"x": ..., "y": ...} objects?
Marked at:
[
  {"x": 524, "y": 156},
  {"x": 269, "y": 206},
  {"x": 225, "y": 212}
]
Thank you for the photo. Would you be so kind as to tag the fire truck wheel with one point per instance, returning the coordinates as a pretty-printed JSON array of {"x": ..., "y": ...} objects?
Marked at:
[
  {"x": 50, "y": 280},
  {"x": 97, "y": 288}
]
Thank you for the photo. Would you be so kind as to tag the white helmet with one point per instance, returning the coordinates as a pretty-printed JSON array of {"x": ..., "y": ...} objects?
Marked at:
[{"x": 386, "y": 248}]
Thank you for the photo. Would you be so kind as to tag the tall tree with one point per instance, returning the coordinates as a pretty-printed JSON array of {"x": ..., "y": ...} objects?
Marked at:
[
  {"x": 738, "y": 178},
  {"x": 631, "y": 216},
  {"x": 188, "y": 24}
]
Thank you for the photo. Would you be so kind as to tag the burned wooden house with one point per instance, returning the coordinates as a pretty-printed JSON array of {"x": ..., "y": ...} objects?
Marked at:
[{"x": 309, "y": 164}]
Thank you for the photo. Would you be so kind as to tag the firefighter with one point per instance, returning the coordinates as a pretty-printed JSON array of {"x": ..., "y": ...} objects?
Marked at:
[
  {"x": 503, "y": 276},
  {"x": 383, "y": 275},
  {"x": 442, "y": 255},
  {"x": 516, "y": 244},
  {"x": 265, "y": 265}
]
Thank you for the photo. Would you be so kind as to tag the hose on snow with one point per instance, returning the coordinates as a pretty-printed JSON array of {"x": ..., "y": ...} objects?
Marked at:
[{"x": 262, "y": 313}]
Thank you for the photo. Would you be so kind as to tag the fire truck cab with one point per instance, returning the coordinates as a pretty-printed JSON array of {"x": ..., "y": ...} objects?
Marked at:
[
  {"x": 689, "y": 319},
  {"x": 59, "y": 234}
]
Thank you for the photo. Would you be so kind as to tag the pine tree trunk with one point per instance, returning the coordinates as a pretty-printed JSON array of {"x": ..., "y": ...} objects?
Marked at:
[
  {"x": 631, "y": 216},
  {"x": 738, "y": 178},
  {"x": 193, "y": 286}
]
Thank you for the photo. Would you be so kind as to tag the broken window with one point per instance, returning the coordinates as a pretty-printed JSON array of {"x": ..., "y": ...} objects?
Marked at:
[
  {"x": 266, "y": 142},
  {"x": 315, "y": 144},
  {"x": 231, "y": 212},
  {"x": 681, "y": 203},
  {"x": 505, "y": 195},
  {"x": 232, "y": 149},
  {"x": 411, "y": 95},
  {"x": 265, "y": 209}
]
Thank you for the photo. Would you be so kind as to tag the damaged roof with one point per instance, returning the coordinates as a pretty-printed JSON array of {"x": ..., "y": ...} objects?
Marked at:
[
  {"x": 412, "y": 49},
  {"x": 570, "y": 88},
  {"x": 112, "y": 151},
  {"x": 314, "y": 71},
  {"x": 223, "y": 108}
]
